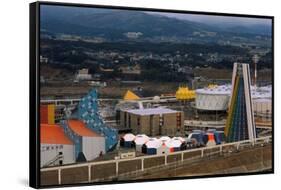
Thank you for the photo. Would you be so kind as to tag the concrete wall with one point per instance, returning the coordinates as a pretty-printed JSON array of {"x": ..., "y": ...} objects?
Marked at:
[
  {"x": 153, "y": 162},
  {"x": 134, "y": 123},
  {"x": 103, "y": 171},
  {"x": 150, "y": 124},
  {"x": 92, "y": 146},
  {"x": 262, "y": 106},
  {"x": 54, "y": 149},
  {"x": 122, "y": 121},
  {"x": 155, "y": 128},
  {"x": 170, "y": 124},
  {"x": 74, "y": 175},
  {"x": 49, "y": 178},
  {"x": 247, "y": 161}
]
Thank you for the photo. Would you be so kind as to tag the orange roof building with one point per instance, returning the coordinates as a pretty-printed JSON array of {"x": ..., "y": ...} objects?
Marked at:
[
  {"x": 79, "y": 137},
  {"x": 91, "y": 144},
  {"x": 53, "y": 134},
  {"x": 56, "y": 147},
  {"x": 80, "y": 128}
]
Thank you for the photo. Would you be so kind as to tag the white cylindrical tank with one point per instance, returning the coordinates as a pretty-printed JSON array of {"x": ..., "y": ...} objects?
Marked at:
[
  {"x": 213, "y": 98},
  {"x": 216, "y": 98}
]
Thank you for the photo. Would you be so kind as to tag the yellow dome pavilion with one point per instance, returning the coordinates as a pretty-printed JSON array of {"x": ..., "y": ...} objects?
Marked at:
[
  {"x": 183, "y": 93},
  {"x": 212, "y": 86}
]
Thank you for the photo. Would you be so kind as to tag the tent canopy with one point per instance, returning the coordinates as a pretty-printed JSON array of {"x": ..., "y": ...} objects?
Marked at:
[
  {"x": 173, "y": 143},
  {"x": 153, "y": 143},
  {"x": 129, "y": 137},
  {"x": 141, "y": 139},
  {"x": 164, "y": 138}
]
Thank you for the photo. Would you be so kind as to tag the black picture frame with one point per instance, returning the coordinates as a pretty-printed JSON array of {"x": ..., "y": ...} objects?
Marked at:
[{"x": 34, "y": 91}]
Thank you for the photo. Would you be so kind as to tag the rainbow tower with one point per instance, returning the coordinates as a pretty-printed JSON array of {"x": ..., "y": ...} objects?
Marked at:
[{"x": 240, "y": 123}]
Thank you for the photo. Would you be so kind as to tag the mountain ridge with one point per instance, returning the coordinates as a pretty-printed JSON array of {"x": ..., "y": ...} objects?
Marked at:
[{"x": 113, "y": 24}]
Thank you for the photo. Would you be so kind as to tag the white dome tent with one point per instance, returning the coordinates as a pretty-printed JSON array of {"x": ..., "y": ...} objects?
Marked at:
[
  {"x": 128, "y": 140},
  {"x": 139, "y": 141},
  {"x": 154, "y": 146},
  {"x": 164, "y": 138},
  {"x": 175, "y": 144}
]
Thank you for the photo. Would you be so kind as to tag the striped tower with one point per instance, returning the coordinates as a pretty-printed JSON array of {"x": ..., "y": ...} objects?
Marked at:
[{"x": 240, "y": 123}]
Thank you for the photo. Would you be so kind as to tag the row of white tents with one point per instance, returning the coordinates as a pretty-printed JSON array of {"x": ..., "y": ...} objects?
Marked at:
[{"x": 148, "y": 145}]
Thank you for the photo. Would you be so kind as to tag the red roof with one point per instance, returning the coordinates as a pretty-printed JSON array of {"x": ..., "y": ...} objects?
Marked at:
[
  {"x": 80, "y": 128},
  {"x": 53, "y": 134}
]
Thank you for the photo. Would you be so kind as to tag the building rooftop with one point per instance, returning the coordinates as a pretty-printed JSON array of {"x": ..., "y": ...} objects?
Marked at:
[
  {"x": 151, "y": 111},
  {"x": 80, "y": 128},
  {"x": 53, "y": 134},
  {"x": 214, "y": 89},
  {"x": 259, "y": 92}
]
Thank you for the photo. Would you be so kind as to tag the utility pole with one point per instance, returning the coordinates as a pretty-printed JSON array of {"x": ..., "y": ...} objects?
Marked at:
[{"x": 255, "y": 60}]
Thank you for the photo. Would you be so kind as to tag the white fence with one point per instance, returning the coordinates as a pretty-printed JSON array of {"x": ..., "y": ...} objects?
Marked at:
[
  {"x": 205, "y": 151},
  {"x": 69, "y": 101}
]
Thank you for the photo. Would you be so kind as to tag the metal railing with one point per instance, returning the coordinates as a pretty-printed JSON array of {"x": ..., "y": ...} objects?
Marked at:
[
  {"x": 77, "y": 100},
  {"x": 61, "y": 101},
  {"x": 69, "y": 100}
]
